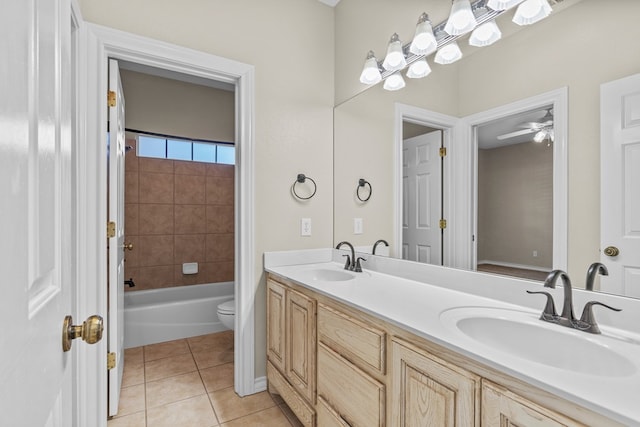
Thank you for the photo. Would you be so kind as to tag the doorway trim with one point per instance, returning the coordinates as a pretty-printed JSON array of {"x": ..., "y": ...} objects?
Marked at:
[
  {"x": 104, "y": 43},
  {"x": 559, "y": 100},
  {"x": 450, "y": 130}
]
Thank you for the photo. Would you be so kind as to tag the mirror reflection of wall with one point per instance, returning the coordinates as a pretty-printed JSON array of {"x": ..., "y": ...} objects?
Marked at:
[{"x": 515, "y": 196}]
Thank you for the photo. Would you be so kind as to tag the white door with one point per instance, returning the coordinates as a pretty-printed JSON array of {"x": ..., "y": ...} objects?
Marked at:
[
  {"x": 620, "y": 185},
  {"x": 37, "y": 212},
  {"x": 422, "y": 198},
  {"x": 116, "y": 150}
]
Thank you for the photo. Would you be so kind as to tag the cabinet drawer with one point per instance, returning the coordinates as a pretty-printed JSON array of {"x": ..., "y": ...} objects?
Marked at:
[
  {"x": 355, "y": 396},
  {"x": 327, "y": 416},
  {"x": 357, "y": 341},
  {"x": 298, "y": 406}
]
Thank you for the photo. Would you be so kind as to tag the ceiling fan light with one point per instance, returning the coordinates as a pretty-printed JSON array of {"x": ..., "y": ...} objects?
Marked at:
[
  {"x": 424, "y": 42},
  {"x": 461, "y": 19},
  {"x": 419, "y": 69},
  {"x": 531, "y": 11},
  {"x": 485, "y": 35},
  {"x": 540, "y": 136},
  {"x": 395, "y": 59},
  {"x": 448, "y": 54},
  {"x": 502, "y": 4},
  {"x": 394, "y": 82},
  {"x": 370, "y": 72}
]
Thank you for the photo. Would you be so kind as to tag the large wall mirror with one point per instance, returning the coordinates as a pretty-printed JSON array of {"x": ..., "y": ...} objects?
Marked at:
[{"x": 565, "y": 53}]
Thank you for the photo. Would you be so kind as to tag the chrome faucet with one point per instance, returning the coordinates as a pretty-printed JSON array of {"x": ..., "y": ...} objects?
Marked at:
[
  {"x": 587, "y": 322},
  {"x": 566, "y": 318},
  {"x": 375, "y": 245},
  {"x": 351, "y": 262},
  {"x": 595, "y": 268}
]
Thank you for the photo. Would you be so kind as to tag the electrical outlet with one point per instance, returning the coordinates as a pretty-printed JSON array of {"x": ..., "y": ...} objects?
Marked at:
[
  {"x": 535, "y": 254},
  {"x": 357, "y": 226},
  {"x": 305, "y": 227}
]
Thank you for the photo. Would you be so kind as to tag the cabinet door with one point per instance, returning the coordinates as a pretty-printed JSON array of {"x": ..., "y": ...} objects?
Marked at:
[
  {"x": 502, "y": 408},
  {"x": 429, "y": 392},
  {"x": 276, "y": 324},
  {"x": 301, "y": 344},
  {"x": 327, "y": 416}
]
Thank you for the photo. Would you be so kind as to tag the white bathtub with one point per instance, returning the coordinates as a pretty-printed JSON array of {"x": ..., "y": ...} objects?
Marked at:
[{"x": 166, "y": 314}]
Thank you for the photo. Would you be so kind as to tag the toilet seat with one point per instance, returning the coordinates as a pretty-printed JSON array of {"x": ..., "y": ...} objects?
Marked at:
[{"x": 228, "y": 307}]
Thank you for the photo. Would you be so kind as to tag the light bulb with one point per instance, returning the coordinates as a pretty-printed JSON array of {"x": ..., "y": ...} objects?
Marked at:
[
  {"x": 394, "y": 82},
  {"x": 418, "y": 69},
  {"x": 370, "y": 72},
  {"x": 461, "y": 19},
  {"x": 531, "y": 11},
  {"x": 486, "y": 34},
  {"x": 395, "y": 57},
  {"x": 424, "y": 42},
  {"x": 540, "y": 136},
  {"x": 448, "y": 54}
]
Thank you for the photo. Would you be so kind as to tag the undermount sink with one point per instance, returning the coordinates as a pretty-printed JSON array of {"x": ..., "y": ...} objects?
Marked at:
[
  {"x": 329, "y": 275},
  {"x": 523, "y": 335}
]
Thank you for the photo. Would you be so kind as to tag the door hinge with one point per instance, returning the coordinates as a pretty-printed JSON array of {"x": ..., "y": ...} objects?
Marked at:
[
  {"x": 443, "y": 151},
  {"x": 111, "y": 229},
  {"x": 443, "y": 224},
  {"x": 111, "y": 98},
  {"x": 111, "y": 361}
]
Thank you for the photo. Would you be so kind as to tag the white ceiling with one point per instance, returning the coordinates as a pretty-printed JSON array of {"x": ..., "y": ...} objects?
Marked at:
[
  {"x": 488, "y": 133},
  {"x": 331, "y": 3}
]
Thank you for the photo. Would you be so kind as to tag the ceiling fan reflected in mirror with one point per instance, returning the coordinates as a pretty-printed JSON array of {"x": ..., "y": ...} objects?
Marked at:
[{"x": 542, "y": 128}]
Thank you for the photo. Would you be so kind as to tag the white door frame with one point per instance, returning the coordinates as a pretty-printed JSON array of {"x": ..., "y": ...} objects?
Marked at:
[
  {"x": 450, "y": 129},
  {"x": 101, "y": 43},
  {"x": 559, "y": 99}
]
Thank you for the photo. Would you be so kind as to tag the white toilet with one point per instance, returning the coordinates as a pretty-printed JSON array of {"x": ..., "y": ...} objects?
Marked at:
[{"x": 227, "y": 313}]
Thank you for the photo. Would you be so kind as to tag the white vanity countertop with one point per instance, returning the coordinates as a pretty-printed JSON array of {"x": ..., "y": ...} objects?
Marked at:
[{"x": 416, "y": 305}]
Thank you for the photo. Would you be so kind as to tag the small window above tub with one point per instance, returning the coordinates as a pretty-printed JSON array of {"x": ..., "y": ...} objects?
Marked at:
[{"x": 173, "y": 148}]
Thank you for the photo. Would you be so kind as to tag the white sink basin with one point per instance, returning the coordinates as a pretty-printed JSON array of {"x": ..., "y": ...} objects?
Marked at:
[
  {"x": 523, "y": 335},
  {"x": 330, "y": 275}
]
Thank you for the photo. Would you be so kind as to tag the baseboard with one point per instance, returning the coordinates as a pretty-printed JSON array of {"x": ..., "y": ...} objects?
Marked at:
[{"x": 260, "y": 384}]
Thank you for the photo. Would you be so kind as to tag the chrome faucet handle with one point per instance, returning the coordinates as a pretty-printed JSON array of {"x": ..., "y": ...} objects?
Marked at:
[
  {"x": 549, "y": 313},
  {"x": 347, "y": 265},
  {"x": 587, "y": 321},
  {"x": 358, "y": 266}
]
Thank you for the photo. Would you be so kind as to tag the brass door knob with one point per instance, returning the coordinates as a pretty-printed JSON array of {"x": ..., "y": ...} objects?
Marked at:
[
  {"x": 90, "y": 331},
  {"x": 127, "y": 246},
  {"x": 611, "y": 251}
]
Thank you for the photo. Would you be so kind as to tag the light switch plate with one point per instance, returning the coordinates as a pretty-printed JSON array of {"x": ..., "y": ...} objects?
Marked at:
[
  {"x": 305, "y": 227},
  {"x": 357, "y": 226}
]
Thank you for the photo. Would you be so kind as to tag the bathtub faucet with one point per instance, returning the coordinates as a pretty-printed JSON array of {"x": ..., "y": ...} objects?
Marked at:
[{"x": 130, "y": 282}]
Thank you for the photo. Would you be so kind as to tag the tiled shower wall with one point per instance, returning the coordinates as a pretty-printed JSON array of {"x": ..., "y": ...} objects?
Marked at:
[{"x": 177, "y": 212}]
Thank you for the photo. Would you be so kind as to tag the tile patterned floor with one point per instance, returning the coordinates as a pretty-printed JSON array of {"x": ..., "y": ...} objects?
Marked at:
[{"x": 189, "y": 383}]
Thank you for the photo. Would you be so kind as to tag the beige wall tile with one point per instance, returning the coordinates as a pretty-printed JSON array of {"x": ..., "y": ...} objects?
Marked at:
[
  {"x": 131, "y": 161},
  {"x": 132, "y": 273},
  {"x": 147, "y": 164},
  {"x": 188, "y": 279},
  {"x": 131, "y": 218},
  {"x": 219, "y": 191},
  {"x": 155, "y": 251},
  {"x": 156, "y": 219},
  {"x": 189, "y": 189},
  {"x": 190, "y": 219},
  {"x": 189, "y": 248},
  {"x": 154, "y": 277},
  {"x": 220, "y": 247},
  {"x": 189, "y": 168},
  {"x": 132, "y": 257},
  {"x": 220, "y": 219},
  {"x": 214, "y": 169},
  {"x": 131, "y": 187},
  {"x": 156, "y": 187}
]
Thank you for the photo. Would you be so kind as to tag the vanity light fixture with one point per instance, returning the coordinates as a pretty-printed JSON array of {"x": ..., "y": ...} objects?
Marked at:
[
  {"x": 395, "y": 59},
  {"x": 424, "y": 42},
  {"x": 485, "y": 34},
  {"x": 466, "y": 15},
  {"x": 502, "y": 4},
  {"x": 448, "y": 54},
  {"x": 394, "y": 82},
  {"x": 531, "y": 11},
  {"x": 370, "y": 72},
  {"x": 419, "y": 69},
  {"x": 461, "y": 19}
]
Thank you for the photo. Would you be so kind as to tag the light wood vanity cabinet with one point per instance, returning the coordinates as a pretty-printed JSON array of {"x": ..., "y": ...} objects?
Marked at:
[{"x": 371, "y": 373}]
